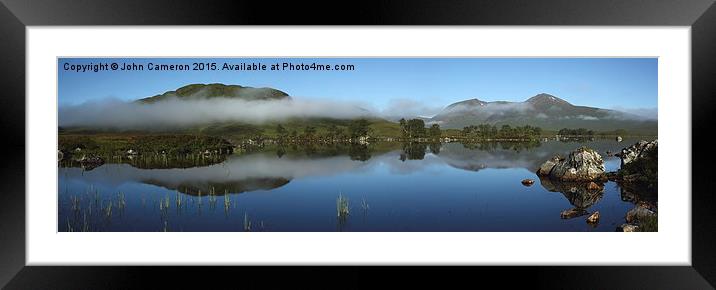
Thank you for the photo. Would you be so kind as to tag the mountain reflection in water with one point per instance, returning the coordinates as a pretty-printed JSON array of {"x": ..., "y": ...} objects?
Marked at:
[{"x": 396, "y": 187}]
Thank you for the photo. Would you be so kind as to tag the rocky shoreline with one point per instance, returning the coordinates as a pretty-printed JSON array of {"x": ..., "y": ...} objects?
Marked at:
[{"x": 581, "y": 177}]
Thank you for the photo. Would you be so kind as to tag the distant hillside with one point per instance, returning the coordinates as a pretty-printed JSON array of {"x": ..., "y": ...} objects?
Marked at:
[
  {"x": 238, "y": 129},
  {"x": 543, "y": 110},
  {"x": 207, "y": 91}
]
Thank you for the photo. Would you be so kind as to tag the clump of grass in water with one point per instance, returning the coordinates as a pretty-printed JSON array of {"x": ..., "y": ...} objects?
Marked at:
[
  {"x": 69, "y": 226},
  {"x": 227, "y": 203},
  {"x": 108, "y": 210},
  {"x": 85, "y": 224},
  {"x": 75, "y": 200},
  {"x": 121, "y": 201},
  {"x": 364, "y": 205},
  {"x": 212, "y": 199},
  {"x": 164, "y": 203},
  {"x": 178, "y": 200},
  {"x": 342, "y": 206},
  {"x": 247, "y": 222}
]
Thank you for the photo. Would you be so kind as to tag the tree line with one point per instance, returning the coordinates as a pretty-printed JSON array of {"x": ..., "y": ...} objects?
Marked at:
[
  {"x": 575, "y": 132},
  {"x": 487, "y": 131},
  {"x": 415, "y": 128},
  {"x": 355, "y": 129}
]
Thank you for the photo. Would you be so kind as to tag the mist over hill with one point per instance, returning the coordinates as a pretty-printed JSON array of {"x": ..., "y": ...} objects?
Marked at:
[
  {"x": 543, "y": 110},
  {"x": 220, "y": 108}
]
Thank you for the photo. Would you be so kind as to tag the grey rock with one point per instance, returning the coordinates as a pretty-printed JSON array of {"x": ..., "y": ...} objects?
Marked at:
[
  {"x": 582, "y": 164},
  {"x": 636, "y": 151},
  {"x": 548, "y": 165},
  {"x": 629, "y": 228}
]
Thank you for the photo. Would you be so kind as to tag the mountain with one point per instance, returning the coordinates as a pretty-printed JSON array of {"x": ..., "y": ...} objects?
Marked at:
[
  {"x": 207, "y": 91},
  {"x": 379, "y": 126},
  {"x": 543, "y": 110}
]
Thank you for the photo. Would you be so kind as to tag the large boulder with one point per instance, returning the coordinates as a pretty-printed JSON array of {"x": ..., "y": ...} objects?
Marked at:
[
  {"x": 636, "y": 151},
  {"x": 547, "y": 166},
  {"x": 582, "y": 165}
]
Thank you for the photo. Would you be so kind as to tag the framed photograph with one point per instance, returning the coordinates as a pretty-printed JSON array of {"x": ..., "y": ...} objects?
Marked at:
[{"x": 464, "y": 133}]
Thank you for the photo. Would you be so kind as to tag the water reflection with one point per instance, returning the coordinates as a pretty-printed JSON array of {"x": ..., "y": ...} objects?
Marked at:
[{"x": 411, "y": 187}]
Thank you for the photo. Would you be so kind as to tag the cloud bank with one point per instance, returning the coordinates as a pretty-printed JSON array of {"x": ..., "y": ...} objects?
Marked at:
[
  {"x": 405, "y": 108},
  {"x": 113, "y": 113},
  {"x": 645, "y": 113}
]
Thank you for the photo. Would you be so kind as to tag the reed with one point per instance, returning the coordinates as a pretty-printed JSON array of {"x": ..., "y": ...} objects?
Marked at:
[
  {"x": 178, "y": 200},
  {"x": 247, "y": 222},
  {"x": 342, "y": 206},
  {"x": 69, "y": 226},
  {"x": 121, "y": 201},
  {"x": 75, "y": 201},
  {"x": 108, "y": 210},
  {"x": 227, "y": 202}
]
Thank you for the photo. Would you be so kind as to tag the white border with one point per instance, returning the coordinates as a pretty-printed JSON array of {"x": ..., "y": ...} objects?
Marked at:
[{"x": 670, "y": 246}]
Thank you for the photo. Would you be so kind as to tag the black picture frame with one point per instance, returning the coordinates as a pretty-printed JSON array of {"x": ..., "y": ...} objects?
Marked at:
[{"x": 15, "y": 15}]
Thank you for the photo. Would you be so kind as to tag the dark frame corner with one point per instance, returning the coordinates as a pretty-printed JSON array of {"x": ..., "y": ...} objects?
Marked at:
[{"x": 700, "y": 15}]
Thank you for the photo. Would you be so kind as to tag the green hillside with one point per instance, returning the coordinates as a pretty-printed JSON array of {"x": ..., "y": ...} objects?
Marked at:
[{"x": 208, "y": 91}]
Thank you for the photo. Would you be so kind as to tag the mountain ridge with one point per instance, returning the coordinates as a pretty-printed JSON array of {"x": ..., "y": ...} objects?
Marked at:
[
  {"x": 543, "y": 110},
  {"x": 218, "y": 90}
]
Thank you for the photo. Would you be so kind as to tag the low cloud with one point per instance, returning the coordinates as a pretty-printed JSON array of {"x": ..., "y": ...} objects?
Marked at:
[
  {"x": 113, "y": 113},
  {"x": 404, "y": 108},
  {"x": 642, "y": 113},
  {"x": 588, "y": 118},
  {"x": 494, "y": 108}
]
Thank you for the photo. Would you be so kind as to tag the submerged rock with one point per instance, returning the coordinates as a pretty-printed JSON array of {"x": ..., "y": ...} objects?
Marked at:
[
  {"x": 582, "y": 164},
  {"x": 572, "y": 213},
  {"x": 528, "y": 182},
  {"x": 593, "y": 218},
  {"x": 636, "y": 151}
]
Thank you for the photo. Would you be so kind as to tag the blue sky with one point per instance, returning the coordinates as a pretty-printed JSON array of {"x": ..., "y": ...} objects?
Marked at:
[{"x": 628, "y": 83}]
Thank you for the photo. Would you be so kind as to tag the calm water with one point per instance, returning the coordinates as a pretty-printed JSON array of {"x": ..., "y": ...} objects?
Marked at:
[{"x": 390, "y": 187}]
